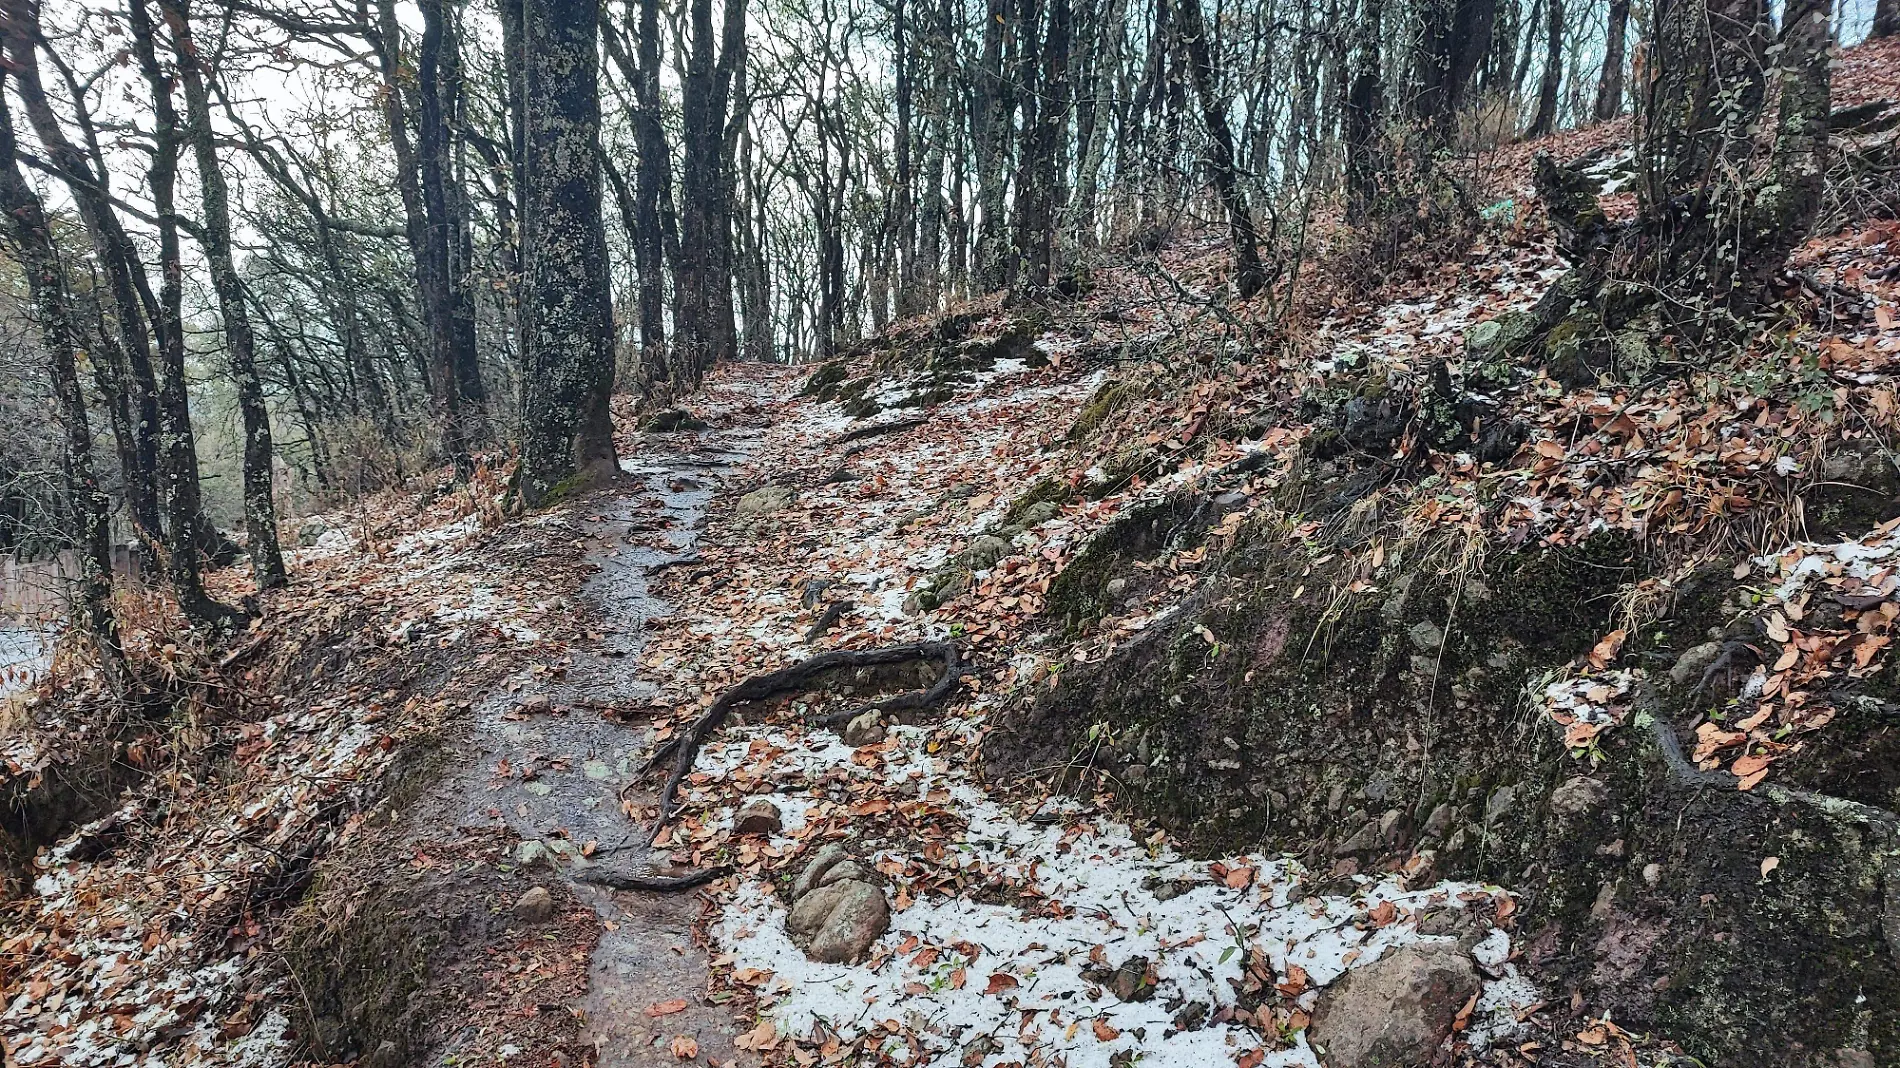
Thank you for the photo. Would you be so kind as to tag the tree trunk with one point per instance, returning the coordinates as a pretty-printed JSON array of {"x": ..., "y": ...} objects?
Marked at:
[
  {"x": 260, "y": 513},
  {"x": 185, "y": 527},
  {"x": 133, "y": 385},
  {"x": 567, "y": 315},
  {"x": 995, "y": 111},
  {"x": 1249, "y": 276},
  {"x": 1886, "y": 19},
  {"x": 1040, "y": 68},
  {"x": 702, "y": 280},
  {"x": 1545, "y": 121},
  {"x": 445, "y": 394},
  {"x": 60, "y": 335},
  {"x": 1610, "y": 86},
  {"x": 1365, "y": 112}
]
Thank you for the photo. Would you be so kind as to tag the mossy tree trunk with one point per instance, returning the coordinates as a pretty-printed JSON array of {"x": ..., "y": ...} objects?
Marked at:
[
  {"x": 186, "y": 531},
  {"x": 240, "y": 343},
  {"x": 59, "y": 333},
  {"x": 566, "y": 312}
]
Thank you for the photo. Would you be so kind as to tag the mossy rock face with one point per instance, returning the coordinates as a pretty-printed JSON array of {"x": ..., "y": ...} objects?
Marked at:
[
  {"x": 823, "y": 382},
  {"x": 1392, "y": 725},
  {"x": 1577, "y": 350},
  {"x": 1079, "y": 594}
]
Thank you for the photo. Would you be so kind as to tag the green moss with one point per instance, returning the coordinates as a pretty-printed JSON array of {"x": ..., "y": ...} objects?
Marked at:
[{"x": 1109, "y": 398}]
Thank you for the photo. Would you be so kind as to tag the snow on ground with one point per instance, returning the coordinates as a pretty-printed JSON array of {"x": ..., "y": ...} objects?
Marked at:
[
  {"x": 1026, "y": 984},
  {"x": 25, "y": 653}
]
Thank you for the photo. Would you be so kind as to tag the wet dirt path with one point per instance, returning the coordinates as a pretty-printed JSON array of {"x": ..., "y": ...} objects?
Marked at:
[{"x": 566, "y": 761}]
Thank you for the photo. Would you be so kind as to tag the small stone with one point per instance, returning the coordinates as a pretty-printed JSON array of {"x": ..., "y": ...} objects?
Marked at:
[
  {"x": 1601, "y": 908},
  {"x": 768, "y": 500},
  {"x": 1652, "y": 874},
  {"x": 312, "y": 531},
  {"x": 758, "y": 816},
  {"x": 1499, "y": 804},
  {"x": 1115, "y": 588},
  {"x": 1389, "y": 825},
  {"x": 1438, "y": 822},
  {"x": 1578, "y": 795},
  {"x": 1396, "y": 1012},
  {"x": 1693, "y": 664},
  {"x": 536, "y": 905},
  {"x": 1365, "y": 840},
  {"x": 538, "y": 705},
  {"x": 1425, "y": 634},
  {"x": 865, "y": 728}
]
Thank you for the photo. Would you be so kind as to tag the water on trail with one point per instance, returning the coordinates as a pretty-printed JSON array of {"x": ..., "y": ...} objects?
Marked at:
[{"x": 562, "y": 784}]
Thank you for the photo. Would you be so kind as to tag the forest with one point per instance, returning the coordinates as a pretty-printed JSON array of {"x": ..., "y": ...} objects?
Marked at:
[{"x": 1323, "y": 533}]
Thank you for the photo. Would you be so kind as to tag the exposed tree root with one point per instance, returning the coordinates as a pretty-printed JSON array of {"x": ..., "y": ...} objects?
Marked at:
[
  {"x": 684, "y": 749},
  {"x": 877, "y": 429},
  {"x": 623, "y": 880}
]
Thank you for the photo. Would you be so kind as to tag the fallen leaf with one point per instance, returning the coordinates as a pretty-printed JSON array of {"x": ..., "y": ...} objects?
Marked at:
[
  {"x": 685, "y": 1048},
  {"x": 1105, "y": 1032},
  {"x": 1769, "y": 864},
  {"x": 667, "y": 1008},
  {"x": 1001, "y": 981}
]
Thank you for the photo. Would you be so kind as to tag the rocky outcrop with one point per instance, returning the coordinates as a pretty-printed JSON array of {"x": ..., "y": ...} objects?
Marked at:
[{"x": 1756, "y": 928}]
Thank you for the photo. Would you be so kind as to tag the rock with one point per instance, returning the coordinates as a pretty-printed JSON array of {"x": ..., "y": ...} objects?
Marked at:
[
  {"x": 538, "y": 705},
  {"x": 1499, "y": 804},
  {"x": 1116, "y": 588},
  {"x": 836, "y": 923},
  {"x": 1037, "y": 514},
  {"x": 1394, "y": 1013},
  {"x": 865, "y": 728},
  {"x": 828, "y": 856},
  {"x": 1389, "y": 825},
  {"x": 672, "y": 420},
  {"x": 312, "y": 531},
  {"x": 1425, "y": 634},
  {"x": 1693, "y": 664},
  {"x": 1576, "y": 796},
  {"x": 534, "y": 906},
  {"x": 1501, "y": 338},
  {"x": 1365, "y": 840},
  {"x": 766, "y": 501},
  {"x": 984, "y": 551},
  {"x": 758, "y": 816},
  {"x": 1438, "y": 822}
]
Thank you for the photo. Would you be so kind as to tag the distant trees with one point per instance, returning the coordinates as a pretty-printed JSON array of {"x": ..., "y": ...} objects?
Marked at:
[{"x": 403, "y": 262}]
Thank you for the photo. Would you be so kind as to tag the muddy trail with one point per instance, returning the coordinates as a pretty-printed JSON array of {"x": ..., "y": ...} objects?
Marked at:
[{"x": 553, "y": 765}]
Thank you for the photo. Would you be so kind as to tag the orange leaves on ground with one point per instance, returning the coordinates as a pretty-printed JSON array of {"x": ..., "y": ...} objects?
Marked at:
[
  {"x": 666, "y": 1008},
  {"x": 684, "y": 1047}
]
